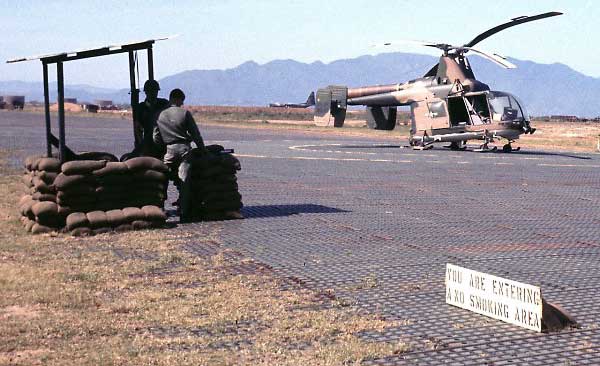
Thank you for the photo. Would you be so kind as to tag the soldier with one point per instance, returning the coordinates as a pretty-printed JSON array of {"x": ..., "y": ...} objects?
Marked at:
[
  {"x": 177, "y": 129},
  {"x": 146, "y": 115}
]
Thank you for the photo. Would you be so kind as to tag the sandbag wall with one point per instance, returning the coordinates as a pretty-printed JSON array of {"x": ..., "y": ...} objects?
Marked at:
[
  {"x": 38, "y": 208},
  {"x": 94, "y": 196},
  {"x": 214, "y": 188}
]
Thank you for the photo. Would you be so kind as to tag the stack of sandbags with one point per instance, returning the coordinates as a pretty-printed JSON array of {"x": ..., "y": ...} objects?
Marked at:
[
  {"x": 76, "y": 185},
  {"x": 40, "y": 213},
  {"x": 130, "y": 218},
  {"x": 89, "y": 185},
  {"x": 149, "y": 181},
  {"x": 99, "y": 187},
  {"x": 214, "y": 188}
]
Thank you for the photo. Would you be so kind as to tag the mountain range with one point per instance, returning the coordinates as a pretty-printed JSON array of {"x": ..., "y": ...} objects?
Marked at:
[{"x": 546, "y": 89}]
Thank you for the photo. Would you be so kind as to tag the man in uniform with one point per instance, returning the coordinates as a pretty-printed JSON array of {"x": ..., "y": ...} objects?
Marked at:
[
  {"x": 146, "y": 115},
  {"x": 177, "y": 129}
]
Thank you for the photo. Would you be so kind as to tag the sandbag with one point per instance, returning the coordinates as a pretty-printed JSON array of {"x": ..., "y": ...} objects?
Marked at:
[
  {"x": 145, "y": 202},
  {"x": 214, "y": 180},
  {"x": 111, "y": 205},
  {"x": 24, "y": 199},
  {"x": 133, "y": 213},
  {"x": 85, "y": 208},
  {"x": 45, "y": 209},
  {"x": 41, "y": 186},
  {"x": 141, "y": 225},
  {"x": 112, "y": 168},
  {"x": 222, "y": 196},
  {"x": 154, "y": 213},
  {"x": 224, "y": 206},
  {"x": 112, "y": 189},
  {"x": 77, "y": 190},
  {"x": 113, "y": 199},
  {"x": 230, "y": 161},
  {"x": 30, "y": 161},
  {"x": 149, "y": 186},
  {"x": 76, "y": 220},
  {"x": 123, "y": 228},
  {"x": 102, "y": 230},
  {"x": 115, "y": 180},
  {"x": 29, "y": 225},
  {"x": 148, "y": 194},
  {"x": 64, "y": 182},
  {"x": 214, "y": 148},
  {"x": 41, "y": 229},
  {"x": 82, "y": 166},
  {"x": 47, "y": 177},
  {"x": 81, "y": 231},
  {"x": 157, "y": 224},
  {"x": 97, "y": 219},
  {"x": 96, "y": 155},
  {"x": 27, "y": 180},
  {"x": 212, "y": 171},
  {"x": 222, "y": 215},
  {"x": 214, "y": 187},
  {"x": 129, "y": 156},
  {"x": 234, "y": 215},
  {"x": 149, "y": 175},
  {"x": 76, "y": 200},
  {"x": 199, "y": 161},
  {"x": 146, "y": 163},
  {"x": 64, "y": 211},
  {"x": 49, "y": 164},
  {"x": 26, "y": 209},
  {"x": 116, "y": 218},
  {"x": 44, "y": 197}
]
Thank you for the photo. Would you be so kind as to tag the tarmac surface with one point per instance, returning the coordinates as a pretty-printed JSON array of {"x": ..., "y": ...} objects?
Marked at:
[{"x": 374, "y": 225}]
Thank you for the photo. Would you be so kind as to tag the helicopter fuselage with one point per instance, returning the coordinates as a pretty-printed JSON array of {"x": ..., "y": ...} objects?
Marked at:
[{"x": 447, "y": 105}]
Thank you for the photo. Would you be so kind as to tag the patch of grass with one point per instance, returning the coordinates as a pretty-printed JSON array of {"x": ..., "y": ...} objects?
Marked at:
[{"x": 69, "y": 300}]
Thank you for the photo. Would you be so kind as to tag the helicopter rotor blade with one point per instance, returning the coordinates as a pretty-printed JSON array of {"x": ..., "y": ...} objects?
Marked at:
[
  {"x": 409, "y": 41},
  {"x": 512, "y": 23},
  {"x": 494, "y": 57}
]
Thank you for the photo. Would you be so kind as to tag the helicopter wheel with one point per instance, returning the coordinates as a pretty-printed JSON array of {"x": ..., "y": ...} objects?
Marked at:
[{"x": 507, "y": 148}]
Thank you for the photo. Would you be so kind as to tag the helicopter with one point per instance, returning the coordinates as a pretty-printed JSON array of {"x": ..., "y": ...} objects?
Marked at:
[{"x": 447, "y": 104}]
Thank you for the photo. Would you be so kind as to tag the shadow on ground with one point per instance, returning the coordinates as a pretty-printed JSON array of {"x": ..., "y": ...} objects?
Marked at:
[{"x": 286, "y": 210}]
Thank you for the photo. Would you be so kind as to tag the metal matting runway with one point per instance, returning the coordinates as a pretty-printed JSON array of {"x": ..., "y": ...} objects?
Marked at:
[{"x": 375, "y": 224}]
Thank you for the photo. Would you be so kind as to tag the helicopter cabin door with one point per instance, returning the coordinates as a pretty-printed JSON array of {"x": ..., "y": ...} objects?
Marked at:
[
  {"x": 428, "y": 115},
  {"x": 458, "y": 111}
]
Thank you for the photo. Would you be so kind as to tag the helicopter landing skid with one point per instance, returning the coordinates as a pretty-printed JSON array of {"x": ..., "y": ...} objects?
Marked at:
[
  {"x": 457, "y": 146},
  {"x": 508, "y": 148},
  {"x": 486, "y": 148},
  {"x": 423, "y": 147}
]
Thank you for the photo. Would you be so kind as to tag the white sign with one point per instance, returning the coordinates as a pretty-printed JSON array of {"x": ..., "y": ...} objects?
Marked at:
[{"x": 510, "y": 301}]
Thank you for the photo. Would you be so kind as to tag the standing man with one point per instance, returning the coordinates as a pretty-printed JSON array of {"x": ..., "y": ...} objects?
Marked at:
[
  {"x": 177, "y": 129},
  {"x": 146, "y": 115}
]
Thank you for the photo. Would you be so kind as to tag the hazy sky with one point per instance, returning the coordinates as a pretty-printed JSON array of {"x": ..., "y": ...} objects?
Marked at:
[{"x": 223, "y": 34}]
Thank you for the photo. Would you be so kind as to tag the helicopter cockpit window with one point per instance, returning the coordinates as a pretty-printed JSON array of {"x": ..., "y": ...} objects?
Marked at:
[
  {"x": 480, "y": 105},
  {"x": 478, "y": 109},
  {"x": 504, "y": 107}
]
